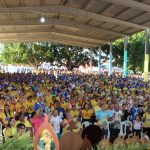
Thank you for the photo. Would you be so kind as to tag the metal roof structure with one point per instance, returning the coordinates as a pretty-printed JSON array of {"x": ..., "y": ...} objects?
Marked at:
[{"x": 84, "y": 23}]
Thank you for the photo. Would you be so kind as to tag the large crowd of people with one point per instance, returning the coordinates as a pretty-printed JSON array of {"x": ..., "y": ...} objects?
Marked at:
[{"x": 105, "y": 101}]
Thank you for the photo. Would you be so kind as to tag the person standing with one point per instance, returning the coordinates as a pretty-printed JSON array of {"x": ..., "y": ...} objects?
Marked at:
[{"x": 56, "y": 122}]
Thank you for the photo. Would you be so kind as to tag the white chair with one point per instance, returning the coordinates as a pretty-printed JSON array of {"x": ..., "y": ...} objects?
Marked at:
[
  {"x": 1, "y": 136},
  {"x": 107, "y": 124},
  {"x": 86, "y": 124},
  {"x": 123, "y": 128}
]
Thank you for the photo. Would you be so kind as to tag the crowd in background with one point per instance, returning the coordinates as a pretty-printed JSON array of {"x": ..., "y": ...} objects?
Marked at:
[{"x": 25, "y": 98}]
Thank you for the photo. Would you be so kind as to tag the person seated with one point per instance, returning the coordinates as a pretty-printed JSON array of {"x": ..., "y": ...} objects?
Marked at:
[
  {"x": 22, "y": 111},
  {"x": 74, "y": 112},
  {"x": 5, "y": 115},
  {"x": 24, "y": 121},
  {"x": 10, "y": 129},
  {"x": 21, "y": 131}
]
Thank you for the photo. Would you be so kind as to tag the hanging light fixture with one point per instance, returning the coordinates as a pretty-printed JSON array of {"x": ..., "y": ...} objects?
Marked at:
[{"x": 42, "y": 19}]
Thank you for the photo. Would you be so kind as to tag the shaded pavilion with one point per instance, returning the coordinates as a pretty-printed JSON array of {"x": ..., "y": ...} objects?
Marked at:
[{"x": 83, "y": 23}]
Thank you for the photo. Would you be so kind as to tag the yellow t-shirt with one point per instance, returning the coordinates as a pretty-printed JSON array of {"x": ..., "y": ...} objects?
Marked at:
[
  {"x": 26, "y": 123},
  {"x": 18, "y": 106},
  {"x": 64, "y": 105},
  {"x": 13, "y": 107},
  {"x": 78, "y": 127},
  {"x": 74, "y": 113},
  {"x": 58, "y": 98},
  {"x": 48, "y": 100},
  {"x": 86, "y": 114},
  {"x": 10, "y": 132},
  {"x": 2, "y": 103},
  {"x": 29, "y": 106},
  {"x": 147, "y": 120},
  {"x": 5, "y": 118},
  {"x": 96, "y": 108},
  {"x": 94, "y": 103}
]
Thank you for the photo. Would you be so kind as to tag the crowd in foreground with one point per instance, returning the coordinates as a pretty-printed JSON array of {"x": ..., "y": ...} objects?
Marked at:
[{"x": 93, "y": 99}]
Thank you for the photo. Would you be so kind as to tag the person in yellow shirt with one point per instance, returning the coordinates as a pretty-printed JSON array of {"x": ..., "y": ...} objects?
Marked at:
[
  {"x": 29, "y": 104},
  {"x": 146, "y": 124},
  {"x": 20, "y": 104},
  {"x": 86, "y": 113},
  {"x": 24, "y": 121},
  {"x": 74, "y": 112},
  {"x": 48, "y": 99},
  {"x": 21, "y": 131},
  {"x": 6, "y": 114},
  {"x": 63, "y": 103},
  {"x": 10, "y": 129},
  {"x": 2, "y": 103},
  {"x": 13, "y": 105},
  {"x": 78, "y": 126},
  {"x": 94, "y": 102}
]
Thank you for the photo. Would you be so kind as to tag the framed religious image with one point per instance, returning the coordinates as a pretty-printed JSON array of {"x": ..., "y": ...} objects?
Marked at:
[{"x": 45, "y": 138}]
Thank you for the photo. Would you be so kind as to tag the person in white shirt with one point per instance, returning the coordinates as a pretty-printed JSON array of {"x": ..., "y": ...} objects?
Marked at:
[
  {"x": 137, "y": 126},
  {"x": 55, "y": 121}
]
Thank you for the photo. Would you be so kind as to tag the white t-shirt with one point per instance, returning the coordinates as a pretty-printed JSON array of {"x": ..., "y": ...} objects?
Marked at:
[
  {"x": 55, "y": 122},
  {"x": 118, "y": 115},
  {"x": 137, "y": 125}
]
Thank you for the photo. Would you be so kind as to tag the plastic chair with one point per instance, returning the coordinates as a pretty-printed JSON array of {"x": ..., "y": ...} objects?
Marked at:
[
  {"x": 123, "y": 128},
  {"x": 86, "y": 124},
  {"x": 107, "y": 124},
  {"x": 1, "y": 136}
]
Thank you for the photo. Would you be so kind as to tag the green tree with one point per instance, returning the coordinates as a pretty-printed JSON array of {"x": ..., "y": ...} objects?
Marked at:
[
  {"x": 34, "y": 54},
  {"x": 135, "y": 52},
  {"x": 22, "y": 53},
  {"x": 69, "y": 56}
]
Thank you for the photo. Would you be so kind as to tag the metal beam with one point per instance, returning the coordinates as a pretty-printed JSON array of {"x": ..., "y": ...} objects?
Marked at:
[
  {"x": 62, "y": 22},
  {"x": 54, "y": 30},
  {"x": 69, "y": 11},
  {"x": 130, "y": 3},
  {"x": 45, "y": 40},
  {"x": 55, "y": 34},
  {"x": 51, "y": 36}
]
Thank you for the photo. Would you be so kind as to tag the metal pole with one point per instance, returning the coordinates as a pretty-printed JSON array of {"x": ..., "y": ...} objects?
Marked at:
[
  {"x": 125, "y": 57},
  {"x": 99, "y": 61},
  {"x": 146, "y": 61},
  {"x": 110, "y": 59}
]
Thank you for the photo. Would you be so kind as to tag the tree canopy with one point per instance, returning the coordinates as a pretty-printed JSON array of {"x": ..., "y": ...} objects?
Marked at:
[{"x": 34, "y": 54}]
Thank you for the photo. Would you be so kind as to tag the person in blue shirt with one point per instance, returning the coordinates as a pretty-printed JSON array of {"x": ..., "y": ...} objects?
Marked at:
[
  {"x": 39, "y": 105},
  {"x": 103, "y": 114},
  {"x": 135, "y": 110},
  {"x": 102, "y": 117}
]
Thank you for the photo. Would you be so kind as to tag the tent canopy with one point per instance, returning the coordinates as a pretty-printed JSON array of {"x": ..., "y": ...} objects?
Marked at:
[{"x": 84, "y": 23}]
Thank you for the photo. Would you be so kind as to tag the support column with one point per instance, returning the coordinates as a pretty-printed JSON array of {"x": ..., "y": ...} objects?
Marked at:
[
  {"x": 125, "y": 57},
  {"x": 91, "y": 59},
  {"x": 110, "y": 59},
  {"x": 99, "y": 61},
  {"x": 146, "y": 61}
]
